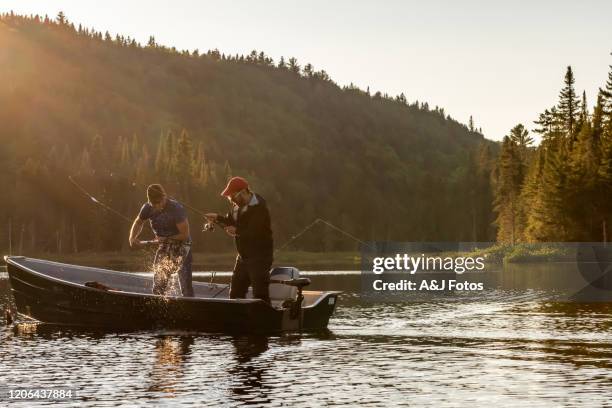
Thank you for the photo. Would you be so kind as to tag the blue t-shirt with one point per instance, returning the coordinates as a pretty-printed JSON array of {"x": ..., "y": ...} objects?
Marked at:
[{"x": 163, "y": 223}]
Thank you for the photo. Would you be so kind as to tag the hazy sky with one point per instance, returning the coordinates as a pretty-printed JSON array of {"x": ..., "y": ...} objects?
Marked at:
[{"x": 502, "y": 62}]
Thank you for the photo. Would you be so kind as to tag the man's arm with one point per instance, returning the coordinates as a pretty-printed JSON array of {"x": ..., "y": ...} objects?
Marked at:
[{"x": 135, "y": 231}]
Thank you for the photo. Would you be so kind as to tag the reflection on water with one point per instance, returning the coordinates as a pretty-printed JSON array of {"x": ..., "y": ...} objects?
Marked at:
[
  {"x": 171, "y": 354},
  {"x": 247, "y": 384},
  {"x": 515, "y": 345}
]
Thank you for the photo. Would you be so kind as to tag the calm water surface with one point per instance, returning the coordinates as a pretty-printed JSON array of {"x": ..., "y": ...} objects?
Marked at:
[{"x": 514, "y": 347}]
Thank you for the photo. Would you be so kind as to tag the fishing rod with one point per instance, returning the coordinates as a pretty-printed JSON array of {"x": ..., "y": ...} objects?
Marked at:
[
  {"x": 185, "y": 204},
  {"x": 108, "y": 208},
  {"x": 209, "y": 226},
  {"x": 95, "y": 200},
  {"x": 92, "y": 198}
]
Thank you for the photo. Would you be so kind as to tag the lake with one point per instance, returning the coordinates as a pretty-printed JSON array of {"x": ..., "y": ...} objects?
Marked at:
[{"x": 514, "y": 344}]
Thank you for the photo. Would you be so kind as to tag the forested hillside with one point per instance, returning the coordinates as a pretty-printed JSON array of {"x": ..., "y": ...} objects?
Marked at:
[
  {"x": 117, "y": 115},
  {"x": 560, "y": 190}
]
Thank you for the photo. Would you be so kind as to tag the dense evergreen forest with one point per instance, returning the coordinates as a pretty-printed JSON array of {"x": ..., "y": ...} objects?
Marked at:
[
  {"x": 116, "y": 115},
  {"x": 560, "y": 190}
]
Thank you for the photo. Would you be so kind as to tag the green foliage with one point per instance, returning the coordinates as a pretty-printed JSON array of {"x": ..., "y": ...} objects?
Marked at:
[
  {"x": 118, "y": 115},
  {"x": 564, "y": 185}
]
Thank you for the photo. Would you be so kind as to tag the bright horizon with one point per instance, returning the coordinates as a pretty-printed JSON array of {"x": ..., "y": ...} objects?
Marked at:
[{"x": 504, "y": 64}]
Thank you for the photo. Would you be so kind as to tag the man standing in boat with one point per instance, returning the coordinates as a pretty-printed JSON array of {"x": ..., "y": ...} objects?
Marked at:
[
  {"x": 169, "y": 222},
  {"x": 249, "y": 223}
]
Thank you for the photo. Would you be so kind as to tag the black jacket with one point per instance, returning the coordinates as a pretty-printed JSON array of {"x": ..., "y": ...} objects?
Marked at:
[{"x": 253, "y": 229}]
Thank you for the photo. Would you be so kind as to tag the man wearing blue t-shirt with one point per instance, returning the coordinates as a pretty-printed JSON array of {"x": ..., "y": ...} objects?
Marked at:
[{"x": 169, "y": 222}]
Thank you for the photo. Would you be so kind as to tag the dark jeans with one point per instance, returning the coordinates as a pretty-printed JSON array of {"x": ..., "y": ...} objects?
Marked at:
[
  {"x": 251, "y": 272},
  {"x": 169, "y": 258}
]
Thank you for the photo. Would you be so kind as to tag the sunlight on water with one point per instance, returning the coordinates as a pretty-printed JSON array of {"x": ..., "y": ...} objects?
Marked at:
[{"x": 517, "y": 348}]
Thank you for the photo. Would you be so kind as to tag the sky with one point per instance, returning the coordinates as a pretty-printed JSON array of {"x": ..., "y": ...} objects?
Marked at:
[{"x": 502, "y": 62}]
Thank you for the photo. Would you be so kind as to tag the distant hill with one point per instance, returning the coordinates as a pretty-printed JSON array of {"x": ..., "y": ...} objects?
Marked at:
[{"x": 119, "y": 115}]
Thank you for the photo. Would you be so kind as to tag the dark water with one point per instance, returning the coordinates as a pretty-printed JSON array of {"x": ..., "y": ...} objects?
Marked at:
[{"x": 510, "y": 346}]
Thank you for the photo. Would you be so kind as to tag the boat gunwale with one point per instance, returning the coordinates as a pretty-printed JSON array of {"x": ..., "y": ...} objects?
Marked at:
[
  {"x": 12, "y": 260},
  {"x": 9, "y": 260}
]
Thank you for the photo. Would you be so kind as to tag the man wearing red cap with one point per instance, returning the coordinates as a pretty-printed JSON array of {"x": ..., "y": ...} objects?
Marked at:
[{"x": 249, "y": 224}]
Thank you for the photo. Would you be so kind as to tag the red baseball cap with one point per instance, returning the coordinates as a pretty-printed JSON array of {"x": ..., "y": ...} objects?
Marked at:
[{"x": 235, "y": 185}]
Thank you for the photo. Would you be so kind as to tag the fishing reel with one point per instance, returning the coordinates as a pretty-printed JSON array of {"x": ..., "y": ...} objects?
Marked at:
[{"x": 210, "y": 226}]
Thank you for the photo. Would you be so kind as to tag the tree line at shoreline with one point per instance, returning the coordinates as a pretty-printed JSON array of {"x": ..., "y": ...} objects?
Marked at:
[{"x": 561, "y": 190}]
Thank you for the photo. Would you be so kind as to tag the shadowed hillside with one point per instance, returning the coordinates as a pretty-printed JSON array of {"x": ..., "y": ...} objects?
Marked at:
[{"x": 118, "y": 115}]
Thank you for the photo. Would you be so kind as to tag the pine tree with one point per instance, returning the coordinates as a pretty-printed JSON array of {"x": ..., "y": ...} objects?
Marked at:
[
  {"x": 598, "y": 116},
  {"x": 508, "y": 187},
  {"x": 183, "y": 158},
  {"x": 308, "y": 70},
  {"x": 61, "y": 18},
  {"x": 142, "y": 167},
  {"x": 531, "y": 198},
  {"x": 293, "y": 65},
  {"x": 544, "y": 122},
  {"x": 161, "y": 158},
  {"x": 126, "y": 158},
  {"x": 568, "y": 109},
  {"x": 151, "y": 43},
  {"x": 549, "y": 220},
  {"x": 606, "y": 93},
  {"x": 520, "y": 136},
  {"x": 583, "y": 107}
]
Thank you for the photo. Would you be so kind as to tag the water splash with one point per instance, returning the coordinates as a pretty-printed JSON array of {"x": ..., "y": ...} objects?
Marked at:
[{"x": 165, "y": 274}]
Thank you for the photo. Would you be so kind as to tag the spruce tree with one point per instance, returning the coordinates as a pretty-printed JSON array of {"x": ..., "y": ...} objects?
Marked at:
[
  {"x": 607, "y": 93},
  {"x": 182, "y": 160},
  {"x": 568, "y": 107},
  {"x": 520, "y": 136},
  {"x": 293, "y": 65},
  {"x": 508, "y": 186},
  {"x": 61, "y": 18},
  {"x": 598, "y": 116},
  {"x": 183, "y": 157},
  {"x": 161, "y": 158}
]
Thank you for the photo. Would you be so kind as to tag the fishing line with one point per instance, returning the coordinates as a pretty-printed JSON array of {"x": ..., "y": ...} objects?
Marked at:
[
  {"x": 95, "y": 200},
  {"x": 293, "y": 238},
  {"x": 315, "y": 222},
  {"x": 183, "y": 203}
]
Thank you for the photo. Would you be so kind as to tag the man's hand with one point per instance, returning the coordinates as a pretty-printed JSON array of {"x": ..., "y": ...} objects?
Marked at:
[
  {"x": 231, "y": 230},
  {"x": 135, "y": 242},
  {"x": 159, "y": 239}
]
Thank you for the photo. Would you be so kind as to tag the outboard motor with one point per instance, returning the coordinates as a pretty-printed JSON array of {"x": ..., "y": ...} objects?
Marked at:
[
  {"x": 280, "y": 291},
  {"x": 287, "y": 286}
]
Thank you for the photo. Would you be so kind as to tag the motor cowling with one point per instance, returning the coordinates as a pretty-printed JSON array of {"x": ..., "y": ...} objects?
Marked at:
[{"x": 280, "y": 291}]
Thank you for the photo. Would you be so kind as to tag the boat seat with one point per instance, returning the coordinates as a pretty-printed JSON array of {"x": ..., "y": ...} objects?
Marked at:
[{"x": 281, "y": 291}]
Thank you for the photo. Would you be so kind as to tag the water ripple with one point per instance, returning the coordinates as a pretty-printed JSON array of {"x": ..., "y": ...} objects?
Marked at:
[{"x": 517, "y": 349}]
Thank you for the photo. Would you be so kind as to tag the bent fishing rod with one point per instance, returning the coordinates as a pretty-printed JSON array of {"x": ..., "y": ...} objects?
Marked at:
[
  {"x": 208, "y": 226},
  {"x": 95, "y": 200},
  {"x": 92, "y": 198}
]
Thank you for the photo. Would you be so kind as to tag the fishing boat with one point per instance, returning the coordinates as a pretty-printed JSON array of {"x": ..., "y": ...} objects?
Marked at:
[{"x": 64, "y": 294}]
